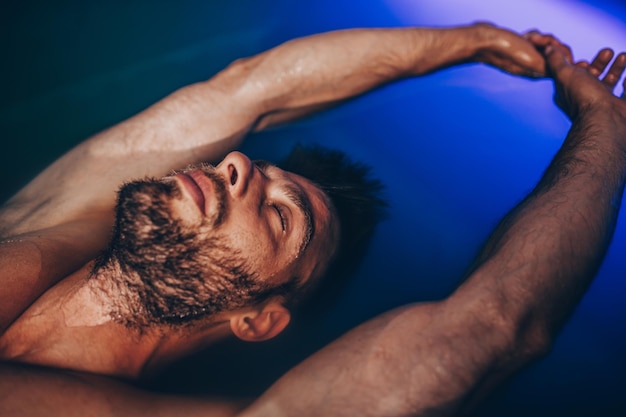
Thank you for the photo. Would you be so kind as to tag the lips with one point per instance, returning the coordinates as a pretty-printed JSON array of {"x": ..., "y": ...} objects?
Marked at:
[{"x": 196, "y": 184}]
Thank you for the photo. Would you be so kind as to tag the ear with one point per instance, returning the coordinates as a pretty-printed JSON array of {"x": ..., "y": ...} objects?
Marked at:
[{"x": 260, "y": 325}]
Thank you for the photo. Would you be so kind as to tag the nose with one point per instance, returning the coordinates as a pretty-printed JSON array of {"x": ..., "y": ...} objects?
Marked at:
[{"x": 238, "y": 171}]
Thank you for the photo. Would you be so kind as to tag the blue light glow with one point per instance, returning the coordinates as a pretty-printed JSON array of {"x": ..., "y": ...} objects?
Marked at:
[{"x": 457, "y": 149}]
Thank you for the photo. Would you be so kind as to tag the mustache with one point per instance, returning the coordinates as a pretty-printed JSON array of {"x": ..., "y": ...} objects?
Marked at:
[{"x": 219, "y": 186}]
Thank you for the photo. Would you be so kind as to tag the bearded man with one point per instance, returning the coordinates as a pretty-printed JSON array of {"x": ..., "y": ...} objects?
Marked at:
[{"x": 207, "y": 252}]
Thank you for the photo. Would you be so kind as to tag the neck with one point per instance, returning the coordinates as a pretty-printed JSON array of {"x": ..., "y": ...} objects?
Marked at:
[
  {"x": 83, "y": 324},
  {"x": 154, "y": 344},
  {"x": 109, "y": 284}
]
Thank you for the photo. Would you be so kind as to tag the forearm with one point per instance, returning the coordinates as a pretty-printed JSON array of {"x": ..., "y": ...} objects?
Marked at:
[
  {"x": 309, "y": 73},
  {"x": 542, "y": 257},
  {"x": 553, "y": 242}
]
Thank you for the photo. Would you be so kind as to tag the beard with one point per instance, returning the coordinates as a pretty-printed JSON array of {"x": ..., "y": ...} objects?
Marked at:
[{"x": 168, "y": 272}]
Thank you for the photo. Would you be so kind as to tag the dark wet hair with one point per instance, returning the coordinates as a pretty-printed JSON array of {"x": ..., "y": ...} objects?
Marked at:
[{"x": 358, "y": 201}]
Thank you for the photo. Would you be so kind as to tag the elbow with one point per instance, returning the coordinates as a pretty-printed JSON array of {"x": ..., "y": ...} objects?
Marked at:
[
  {"x": 524, "y": 337},
  {"x": 531, "y": 341},
  {"x": 507, "y": 336}
]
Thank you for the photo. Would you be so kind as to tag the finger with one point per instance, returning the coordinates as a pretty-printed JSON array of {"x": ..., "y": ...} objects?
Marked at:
[
  {"x": 540, "y": 40},
  {"x": 600, "y": 62},
  {"x": 624, "y": 92},
  {"x": 568, "y": 53},
  {"x": 529, "y": 33},
  {"x": 566, "y": 50},
  {"x": 615, "y": 72}
]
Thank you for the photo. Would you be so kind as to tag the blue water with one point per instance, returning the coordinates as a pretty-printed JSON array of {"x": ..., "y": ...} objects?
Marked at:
[{"x": 456, "y": 149}]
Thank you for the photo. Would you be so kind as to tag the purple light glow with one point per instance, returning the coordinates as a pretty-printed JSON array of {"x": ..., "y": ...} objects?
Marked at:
[{"x": 584, "y": 27}]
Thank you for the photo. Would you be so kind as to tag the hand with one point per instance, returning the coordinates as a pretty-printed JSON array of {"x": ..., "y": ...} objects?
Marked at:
[
  {"x": 509, "y": 51},
  {"x": 579, "y": 87},
  {"x": 541, "y": 40}
]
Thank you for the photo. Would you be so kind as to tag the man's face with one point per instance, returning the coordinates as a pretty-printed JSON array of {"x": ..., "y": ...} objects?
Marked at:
[
  {"x": 217, "y": 232},
  {"x": 280, "y": 222}
]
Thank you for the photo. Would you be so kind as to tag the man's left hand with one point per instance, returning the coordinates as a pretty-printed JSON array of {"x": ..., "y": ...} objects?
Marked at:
[{"x": 511, "y": 52}]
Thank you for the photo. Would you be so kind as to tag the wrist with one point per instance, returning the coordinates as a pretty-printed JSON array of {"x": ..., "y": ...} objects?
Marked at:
[
  {"x": 602, "y": 112},
  {"x": 472, "y": 43},
  {"x": 443, "y": 47},
  {"x": 606, "y": 120},
  {"x": 480, "y": 38},
  {"x": 483, "y": 39}
]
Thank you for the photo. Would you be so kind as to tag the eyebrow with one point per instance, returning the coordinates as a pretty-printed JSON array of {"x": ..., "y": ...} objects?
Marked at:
[
  {"x": 300, "y": 200},
  {"x": 298, "y": 197}
]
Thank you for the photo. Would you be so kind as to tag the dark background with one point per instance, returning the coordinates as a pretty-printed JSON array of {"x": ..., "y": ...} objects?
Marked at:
[{"x": 456, "y": 149}]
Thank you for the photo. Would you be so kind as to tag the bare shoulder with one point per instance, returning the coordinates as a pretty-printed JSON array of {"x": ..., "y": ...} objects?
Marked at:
[
  {"x": 32, "y": 262},
  {"x": 20, "y": 266},
  {"x": 19, "y": 254}
]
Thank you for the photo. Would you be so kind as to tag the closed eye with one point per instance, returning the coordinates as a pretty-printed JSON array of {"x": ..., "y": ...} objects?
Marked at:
[{"x": 280, "y": 215}]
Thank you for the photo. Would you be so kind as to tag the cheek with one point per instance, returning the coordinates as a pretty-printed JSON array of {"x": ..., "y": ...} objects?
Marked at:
[
  {"x": 266, "y": 258},
  {"x": 253, "y": 245}
]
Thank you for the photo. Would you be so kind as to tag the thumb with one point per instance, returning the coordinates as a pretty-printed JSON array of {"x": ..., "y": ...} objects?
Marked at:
[{"x": 556, "y": 59}]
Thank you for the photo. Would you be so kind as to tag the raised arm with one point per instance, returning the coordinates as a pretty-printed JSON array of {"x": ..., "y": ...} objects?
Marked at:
[
  {"x": 204, "y": 121},
  {"x": 441, "y": 358},
  {"x": 63, "y": 218}
]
